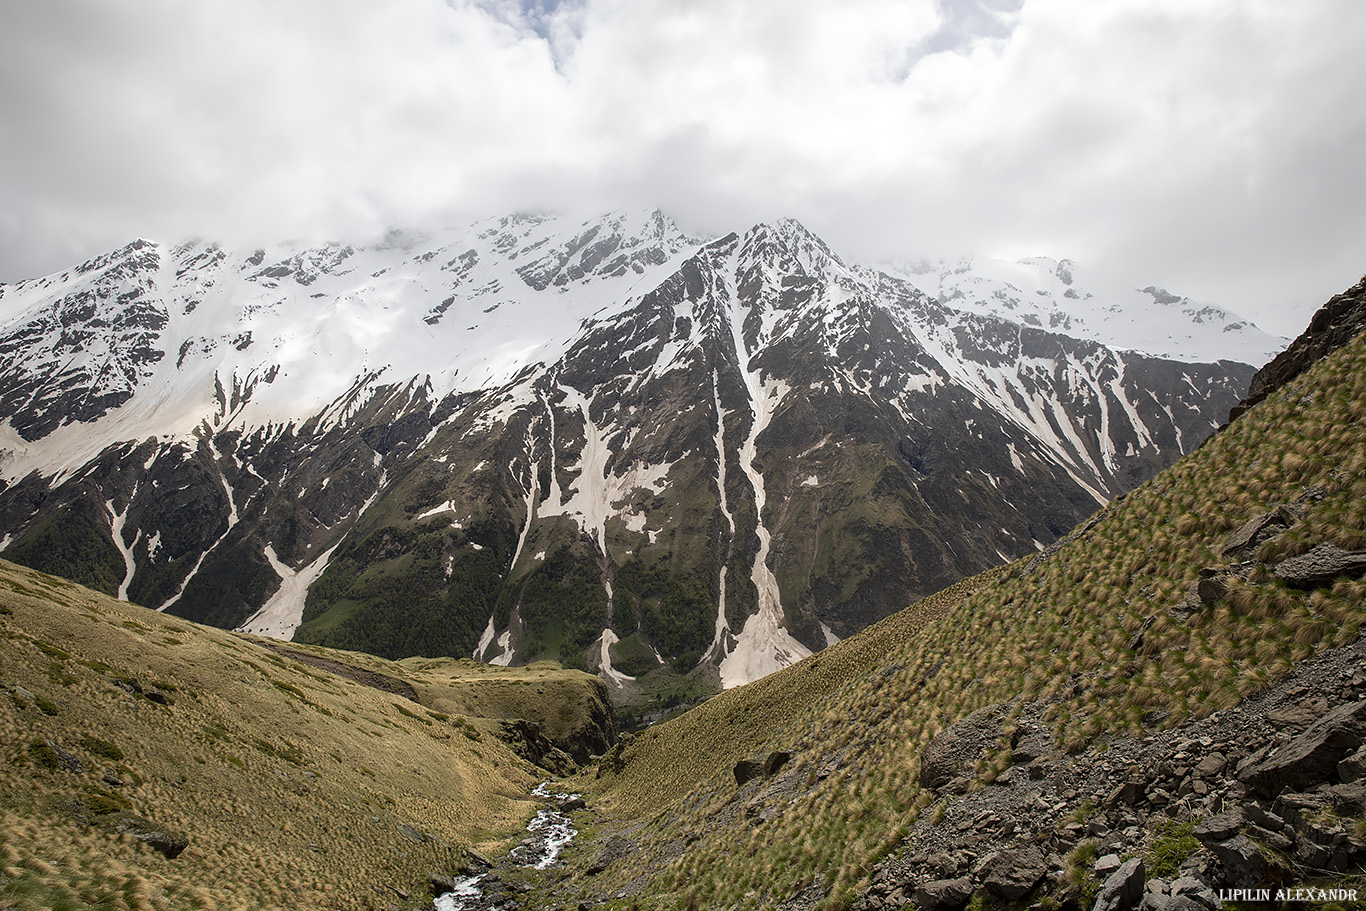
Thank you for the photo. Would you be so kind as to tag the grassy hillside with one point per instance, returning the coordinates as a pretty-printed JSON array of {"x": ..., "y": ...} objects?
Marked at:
[
  {"x": 1096, "y": 627},
  {"x": 335, "y": 781}
]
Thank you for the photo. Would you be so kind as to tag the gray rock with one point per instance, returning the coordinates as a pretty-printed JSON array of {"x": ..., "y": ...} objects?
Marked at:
[
  {"x": 1245, "y": 541},
  {"x": 1242, "y": 861},
  {"x": 1349, "y": 798},
  {"x": 943, "y": 894},
  {"x": 959, "y": 743},
  {"x": 776, "y": 760},
  {"x": 1313, "y": 756},
  {"x": 1012, "y": 874},
  {"x": 1321, "y": 566},
  {"x": 1127, "y": 793},
  {"x": 1106, "y": 865},
  {"x": 162, "y": 839},
  {"x": 1211, "y": 765},
  {"x": 614, "y": 850},
  {"x": 1196, "y": 889},
  {"x": 1353, "y": 767},
  {"x": 440, "y": 883},
  {"x": 1298, "y": 715},
  {"x": 1123, "y": 889},
  {"x": 1210, "y": 588},
  {"x": 747, "y": 770},
  {"x": 1220, "y": 828}
]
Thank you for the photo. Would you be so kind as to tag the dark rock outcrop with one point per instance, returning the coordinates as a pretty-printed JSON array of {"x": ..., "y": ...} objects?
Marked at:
[
  {"x": 1321, "y": 566},
  {"x": 169, "y": 843},
  {"x": 747, "y": 770},
  {"x": 1336, "y": 323},
  {"x": 1123, "y": 889},
  {"x": 960, "y": 743},
  {"x": 1313, "y": 756},
  {"x": 1012, "y": 874},
  {"x": 943, "y": 894}
]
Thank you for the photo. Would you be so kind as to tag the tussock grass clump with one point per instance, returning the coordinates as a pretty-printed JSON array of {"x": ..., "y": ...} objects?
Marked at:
[{"x": 1096, "y": 631}]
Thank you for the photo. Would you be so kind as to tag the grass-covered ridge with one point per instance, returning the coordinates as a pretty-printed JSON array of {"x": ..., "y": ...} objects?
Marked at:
[
  {"x": 294, "y": 785},
  {"x": 1063, "y": 629}
]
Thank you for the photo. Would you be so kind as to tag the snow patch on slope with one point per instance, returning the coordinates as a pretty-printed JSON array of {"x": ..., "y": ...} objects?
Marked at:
[{"x": 279, "y": 617}]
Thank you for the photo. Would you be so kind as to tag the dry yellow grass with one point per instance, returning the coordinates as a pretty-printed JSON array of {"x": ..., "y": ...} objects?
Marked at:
[{"x": 296, "y": 787}]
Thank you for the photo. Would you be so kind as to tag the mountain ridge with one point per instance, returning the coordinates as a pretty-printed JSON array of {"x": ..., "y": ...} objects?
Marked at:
[{"x": 672, "y": 440}]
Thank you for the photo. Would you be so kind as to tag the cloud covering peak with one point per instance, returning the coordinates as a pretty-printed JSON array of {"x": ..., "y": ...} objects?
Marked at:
[{"x": 1208, "y": 145}]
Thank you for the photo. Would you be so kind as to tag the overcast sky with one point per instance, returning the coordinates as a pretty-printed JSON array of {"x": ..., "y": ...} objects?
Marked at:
[{"x": 1214, "y": 147}]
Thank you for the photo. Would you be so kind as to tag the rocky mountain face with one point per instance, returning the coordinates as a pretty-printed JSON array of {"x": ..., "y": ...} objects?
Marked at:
[
  {"x": 604, "y": 442},
  {"x": 1165, "y": 710}
]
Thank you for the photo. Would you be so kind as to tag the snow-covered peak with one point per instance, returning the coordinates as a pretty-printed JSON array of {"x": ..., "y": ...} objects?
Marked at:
[{"x": 1061, "y": 296}]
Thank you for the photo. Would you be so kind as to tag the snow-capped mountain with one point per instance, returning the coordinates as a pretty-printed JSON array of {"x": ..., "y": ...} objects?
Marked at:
[
  {"x": 606, "y": 441},
  {"x": 1059, "y": 295}
]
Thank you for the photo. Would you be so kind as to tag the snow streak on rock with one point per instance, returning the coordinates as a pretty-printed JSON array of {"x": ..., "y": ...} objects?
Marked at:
[
  {"x": 117, "y": 520},
  {"x": 279, "y": 617},
  {"x": 718, "y": 648},
  {"x": 605, "y": 669},
  {"x": 764, "y": 645}
]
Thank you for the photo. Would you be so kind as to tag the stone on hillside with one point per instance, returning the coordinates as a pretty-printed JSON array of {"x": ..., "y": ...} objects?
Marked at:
[
  {"x": 614, "y": 850},
  {"x": 775, "y": 761},
  {"x": 1012, "y": 874},
  {"x": 1219, "y": 828},
  {"x": 1353, "y": 767},
  {"x": 572, "y": 804},
  {"x": 1211, "y": 765},
  {"x": 1298, "y": 714},
  {"x": 959, "y": 743},
  {"x": 1349, "y": 798},
  {"x": 56, "y": 757},
  {"x": 1191, "y": 887},
  {"x": 1123, "y": 889},
  {"x": 1245, "y": 541},
  {"x": 162, "y": 839},
  {"x": 1127, "y": 793},
  {"x": 746, "y": 770},
  {"x": 1106, "y": 865},
  {"x": 1321, "y": 566},
  {"x": 943, "y": 894},
  {"x": 1244, "y": 865},
  {"x": 1212, "y": 585},
  {"x": 440, "y": 883},
  {"x": 1313, "y": 756}
]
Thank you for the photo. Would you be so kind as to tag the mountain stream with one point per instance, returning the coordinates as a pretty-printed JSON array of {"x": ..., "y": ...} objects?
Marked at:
[{"x": 550, "y": 831}]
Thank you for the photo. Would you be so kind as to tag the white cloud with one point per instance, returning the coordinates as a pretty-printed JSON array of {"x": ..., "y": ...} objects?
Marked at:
[{"x": 1213, "y": 147}]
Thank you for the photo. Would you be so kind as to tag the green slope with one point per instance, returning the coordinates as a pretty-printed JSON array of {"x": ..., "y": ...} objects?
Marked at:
[
  {"x": 300, "y": 777},
  {"x": 1062, "y": 627}
]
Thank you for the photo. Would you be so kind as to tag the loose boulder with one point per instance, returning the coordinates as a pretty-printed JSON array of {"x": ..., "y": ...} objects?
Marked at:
[
  {"x": 159, "y": 837},
  {"x": 1313, "y": 756},
  {"x": 747, "y": 770},
  {"x": 1321, "y": 566},
  {"x": 959, "y": 743},
  {"x": 1123, "y": 889},
  {"x": 1012, "y": 874},
  {"x": 943, "y": 894}
]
